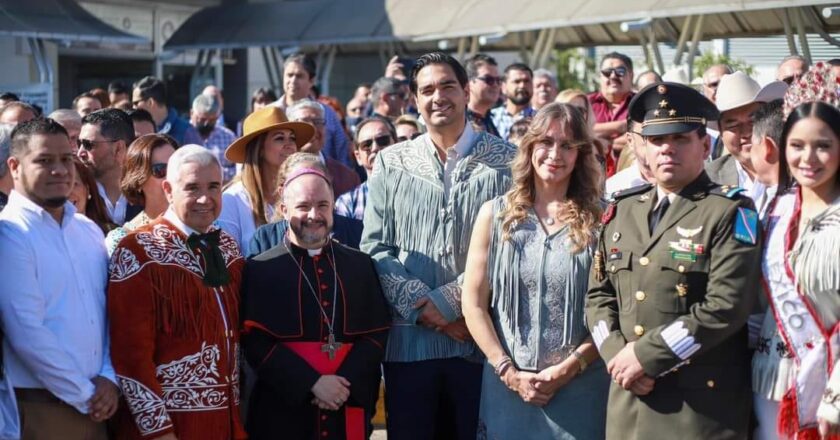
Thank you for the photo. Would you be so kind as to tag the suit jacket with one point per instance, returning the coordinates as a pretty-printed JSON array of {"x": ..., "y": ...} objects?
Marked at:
[
  {"x": 344, "y": 179},
  {"x": 722, "y": 171},
  {"x": 682, "y": 294}
]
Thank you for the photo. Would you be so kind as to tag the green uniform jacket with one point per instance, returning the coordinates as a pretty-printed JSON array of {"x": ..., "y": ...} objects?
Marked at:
[{"x": 683, "y": 294}]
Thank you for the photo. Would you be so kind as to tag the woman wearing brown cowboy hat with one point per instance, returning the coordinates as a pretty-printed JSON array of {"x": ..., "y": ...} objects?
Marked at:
[{"x": 268, "y": 139}]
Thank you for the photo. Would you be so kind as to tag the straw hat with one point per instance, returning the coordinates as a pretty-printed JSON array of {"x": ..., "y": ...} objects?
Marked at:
[
  {"x": 264, "y": 120},
  {"x": 737, "y": 90}
]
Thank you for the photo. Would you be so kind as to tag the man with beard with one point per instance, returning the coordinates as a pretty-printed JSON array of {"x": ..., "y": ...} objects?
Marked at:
[
  {"x": 173, "y": 303},
  {"x": 53, "y": 297},
  {"x": 423, "y": 197},
  {"x": 485, "y": 82},
  {"x": 316, "y": 325},
  {"x": 611, "y": 103},
  {"x": 518, "y": 89},
  {"x": 545, "y": 88},
  {"x": 204, "y": 116},
  {"x": 103, "y": 142}
]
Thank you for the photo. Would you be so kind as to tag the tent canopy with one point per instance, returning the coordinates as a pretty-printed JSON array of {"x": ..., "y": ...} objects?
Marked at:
[
  {"x": 59, "y": 20},
  {"x": 577, "y": 22}
]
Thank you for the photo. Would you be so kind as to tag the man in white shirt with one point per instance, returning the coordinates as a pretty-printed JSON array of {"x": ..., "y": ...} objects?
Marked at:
[
  {"x": 638, "y": 173},
  {"x": 103, "y": 142},
  {"x": 52, "y": 301}
]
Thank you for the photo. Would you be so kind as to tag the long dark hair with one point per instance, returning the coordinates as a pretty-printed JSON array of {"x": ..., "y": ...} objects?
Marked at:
[
  {"x": 829, "y": 114},
  {"x": 95, "y": 207}
]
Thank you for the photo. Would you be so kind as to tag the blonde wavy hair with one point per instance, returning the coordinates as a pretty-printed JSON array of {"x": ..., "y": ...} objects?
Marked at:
[{"x": 582, "y": 207}]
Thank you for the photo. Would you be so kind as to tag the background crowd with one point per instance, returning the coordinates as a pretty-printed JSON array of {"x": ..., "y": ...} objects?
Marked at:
[{"x": 495, "y": 210}]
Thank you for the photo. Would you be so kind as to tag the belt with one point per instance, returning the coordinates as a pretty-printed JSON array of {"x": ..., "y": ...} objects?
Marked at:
[{"x": 36, "y": 395}]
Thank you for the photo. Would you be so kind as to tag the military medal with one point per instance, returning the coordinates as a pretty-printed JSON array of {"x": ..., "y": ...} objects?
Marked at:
[{"x": 600, "y": 270}]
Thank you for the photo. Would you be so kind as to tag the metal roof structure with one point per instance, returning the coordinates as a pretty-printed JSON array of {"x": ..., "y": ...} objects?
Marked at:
[
  {"x": 355, "y": 25},
  {"x": 57, "y": 20}
]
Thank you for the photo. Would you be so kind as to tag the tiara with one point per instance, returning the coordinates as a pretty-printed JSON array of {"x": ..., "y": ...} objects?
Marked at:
[{"x": 817, "y": 84}]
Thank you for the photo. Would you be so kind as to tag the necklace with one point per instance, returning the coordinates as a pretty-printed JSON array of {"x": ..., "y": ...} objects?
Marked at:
[{"x": 331, "y": 346}]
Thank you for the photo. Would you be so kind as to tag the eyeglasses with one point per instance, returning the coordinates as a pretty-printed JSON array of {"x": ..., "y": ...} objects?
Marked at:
[
  {"x": 412, "y": 137},
  {"x": 318, "y": 122},
  {"x": 381, "y": 142},
  {"x": 618, "y": 71},
  {"x": 88, "y": 145},
  {"x": 490, "y": 80},
  {"x": 789, "y": 79},
  {"x": 159, "y": 170}
]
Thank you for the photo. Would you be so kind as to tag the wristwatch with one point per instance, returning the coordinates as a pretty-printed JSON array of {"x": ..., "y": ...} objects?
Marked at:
[{"x": 581, "y": 361}]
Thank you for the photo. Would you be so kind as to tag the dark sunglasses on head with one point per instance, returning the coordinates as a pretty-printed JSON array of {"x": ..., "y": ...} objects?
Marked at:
[
  {"x": 619, "y": 72},
  {"x": 412, "y": 137},
  {"x": 490, "y": 80},
  {"x": 381, "y": 142},
  {"x": 87, "y": 144},
  {"x": 159, "y": 170}
]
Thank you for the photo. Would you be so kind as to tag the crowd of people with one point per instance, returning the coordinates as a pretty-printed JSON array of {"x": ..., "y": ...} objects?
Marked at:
[{"x": 511, "y": 260}]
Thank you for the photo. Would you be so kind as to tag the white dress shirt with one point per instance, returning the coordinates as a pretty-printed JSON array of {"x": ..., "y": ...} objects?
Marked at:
[
  {"x": 236, "y": 217},
  {"x": 116, "y": 212},
  {"x": 52, "y": 301},
  {"x": 454, "y": 154},
  {"x": 624, "y": 179}
]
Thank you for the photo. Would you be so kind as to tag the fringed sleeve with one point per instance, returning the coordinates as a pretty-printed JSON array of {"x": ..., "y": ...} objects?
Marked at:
[
  {"x": 131, "y": 311},
  {"x": 401, "y": 289}
]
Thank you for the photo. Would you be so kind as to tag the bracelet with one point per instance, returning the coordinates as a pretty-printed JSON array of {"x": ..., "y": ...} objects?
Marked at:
[
  {"x": 503, "y": 364},
  {"x": 581, "y": 361}
]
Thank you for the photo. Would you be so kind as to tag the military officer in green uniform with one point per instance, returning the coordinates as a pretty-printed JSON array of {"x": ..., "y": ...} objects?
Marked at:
[{"x": 672, "y": 284}]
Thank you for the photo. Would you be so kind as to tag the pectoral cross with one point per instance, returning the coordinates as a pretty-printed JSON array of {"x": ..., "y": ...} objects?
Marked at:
[{"x": 331, "y": 346}]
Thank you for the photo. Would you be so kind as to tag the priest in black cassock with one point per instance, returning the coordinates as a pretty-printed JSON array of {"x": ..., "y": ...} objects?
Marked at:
[{"x": 315, "y": 325}]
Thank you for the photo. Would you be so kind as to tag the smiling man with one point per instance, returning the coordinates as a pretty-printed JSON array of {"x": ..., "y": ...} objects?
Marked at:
[
  {"x": 423, "y": 198},
  {"x": 671, "y": 284},
  {"x": 611, "y": 103},
  {"x": 316, "y": 324},
  {"x": 53, "y": 297},
  {"x": 173, "y": 302}
]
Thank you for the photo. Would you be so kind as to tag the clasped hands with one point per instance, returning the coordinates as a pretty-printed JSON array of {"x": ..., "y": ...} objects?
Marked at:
[
  {"x": 331, "y": 392},
  {"x": 627, "y": 372},
  {"x": 538, "y": 388},
  {"x": 431, "y": 317}
]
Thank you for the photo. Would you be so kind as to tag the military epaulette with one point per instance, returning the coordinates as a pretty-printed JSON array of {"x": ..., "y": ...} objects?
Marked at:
[
  {"x": 728, "y": 191},
  {"x": 616, "y": 196}
]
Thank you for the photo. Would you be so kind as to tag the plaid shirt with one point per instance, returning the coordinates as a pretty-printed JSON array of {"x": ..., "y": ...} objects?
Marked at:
[
  {"x": 504, "y": 120},
  {"x": 352, "y": 203},
  {"x": 218, "y": 141}
]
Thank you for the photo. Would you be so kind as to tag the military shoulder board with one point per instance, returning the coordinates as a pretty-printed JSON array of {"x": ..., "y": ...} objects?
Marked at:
[
  {"x": 730, "y": 192},
  {"x": 616, "y": 196}
]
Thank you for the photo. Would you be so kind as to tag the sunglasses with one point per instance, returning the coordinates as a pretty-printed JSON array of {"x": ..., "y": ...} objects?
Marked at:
[
  {"x": 412, "y": 137},
  {"x": 789, "y": 79},
  {"x": 318, "y": 122},
  {"x": 618, "y": 71},
  {"x": 88, "y": 145},
  {"x": 381, "y": 142},
  {"x": 159, "y": 170},
  {"x": 490, "y": 80}
]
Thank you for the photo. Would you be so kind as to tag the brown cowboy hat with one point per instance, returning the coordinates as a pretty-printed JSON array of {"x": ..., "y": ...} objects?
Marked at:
[{"x": 264, "y": 120}]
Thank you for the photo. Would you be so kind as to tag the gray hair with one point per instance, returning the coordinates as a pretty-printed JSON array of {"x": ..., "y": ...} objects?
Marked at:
[
  {"x": 67, "y": 118},
  {"x": 205, "y": 104},
  {"x": 552, "y": 77},
  {"x": 190, "y": 153},
  {"x": 384, "y": 86},
  {"x": 5, "y": 147},
  {"x": 293, "y": 111},
  {"x": 797, "y": 58}
]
